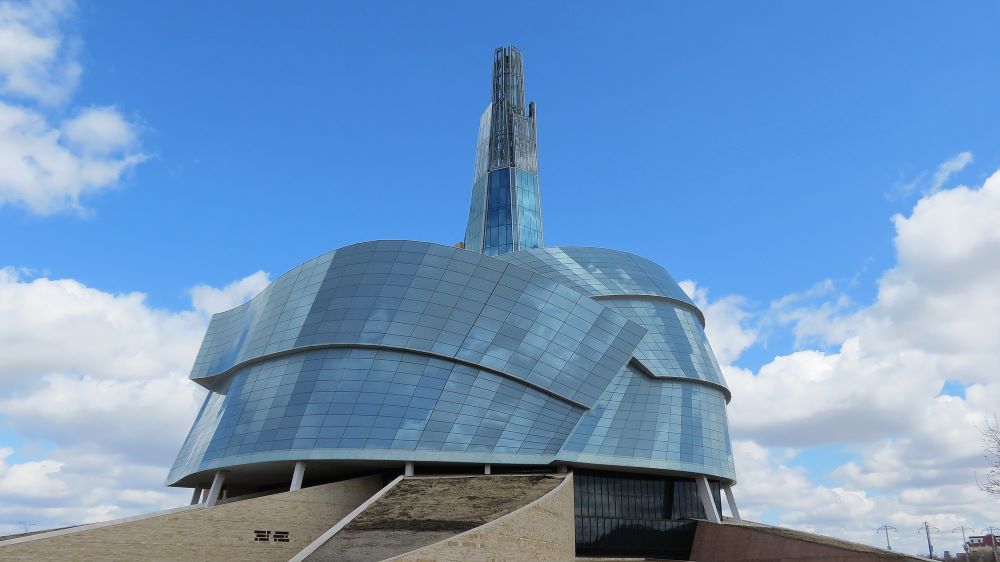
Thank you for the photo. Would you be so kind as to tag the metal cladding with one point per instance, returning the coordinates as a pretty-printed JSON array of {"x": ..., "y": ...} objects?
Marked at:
[{"x": 411, "y": 351}]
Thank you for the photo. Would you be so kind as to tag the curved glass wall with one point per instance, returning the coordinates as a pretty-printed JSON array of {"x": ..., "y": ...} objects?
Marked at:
[
  {"x": 410, "y": 351},
  {"x": 675, "y": 345}
]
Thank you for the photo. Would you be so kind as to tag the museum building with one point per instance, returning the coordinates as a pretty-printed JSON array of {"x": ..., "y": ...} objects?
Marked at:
[{"x": 497, "y": 355}]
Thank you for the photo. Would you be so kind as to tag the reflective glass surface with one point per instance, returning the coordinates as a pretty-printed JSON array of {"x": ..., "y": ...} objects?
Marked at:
[
  {"x": 400, "y": 350},
  {"x": 675, "y": 344},
  {"x": 436, "y": 299},
  {"x": 500, "y": 232},
  {"x": 642, "y": 421},
  {"x": 506, "y": 210},
  {"x": 598, "y": 272},
  {"x": 371, "y": 404},
  {"x": 528, "y": 210},
  {"x": 620, "y": 514}
]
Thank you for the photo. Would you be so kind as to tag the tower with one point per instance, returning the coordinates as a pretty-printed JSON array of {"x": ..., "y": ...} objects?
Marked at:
[{"x": 506, "y": 210}]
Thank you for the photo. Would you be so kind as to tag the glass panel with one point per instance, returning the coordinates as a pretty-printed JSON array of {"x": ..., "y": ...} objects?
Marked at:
[{"x": 630, "y": 514}]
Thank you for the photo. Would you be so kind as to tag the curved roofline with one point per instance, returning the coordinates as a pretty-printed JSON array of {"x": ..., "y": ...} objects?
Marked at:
[
  {"x": 648, "y": 373},
  {"x": 689, "y": 305},
  {"x": 638, "y": 296},
  {"x": 303, "y": 262}
]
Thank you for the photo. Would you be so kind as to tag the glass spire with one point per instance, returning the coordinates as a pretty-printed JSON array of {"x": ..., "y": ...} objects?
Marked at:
[{"x": 506, "y": 210}]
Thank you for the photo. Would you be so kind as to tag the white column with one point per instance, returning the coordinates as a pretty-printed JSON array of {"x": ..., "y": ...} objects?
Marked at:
[
  {"x": 196, "y": 495},
  {"x": 297, "y": 475},
  {"x": 204, "y": 495},
  {"x": 214, "y": 491},
  {"x": 705, "y": 493},
  {"x": 408, "y": 469},
  {"x": 732, "y": 503},
  {"x": 487, "y": 470}
]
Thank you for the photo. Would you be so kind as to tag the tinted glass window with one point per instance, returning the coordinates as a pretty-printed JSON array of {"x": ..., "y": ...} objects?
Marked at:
[{"x": 635, "y": 514}]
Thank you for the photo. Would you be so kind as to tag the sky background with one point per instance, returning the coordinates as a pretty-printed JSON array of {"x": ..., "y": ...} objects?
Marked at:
[{"x": 819, "y": 174}]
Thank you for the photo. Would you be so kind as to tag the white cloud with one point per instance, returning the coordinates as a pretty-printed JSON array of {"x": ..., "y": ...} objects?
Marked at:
[
  {"x": 48, "y": 169},
  {"x": 930, "y": 183},
  {"x": 30, "y": 479},
  {"x": 110, "y": 409},
  {"x": 876, "y": 393},
  {"x": 99, "y": 131},
  {"x": 949, "y": 168},
  {"x": 88, "y": 326},
  {"x": 211, "y": 300},
  {"x": 93, "y": 411},
  {"x": 37, "y": 60},
  {"x": 48, "y": 163},
  {"x": 725, "y": 322}
]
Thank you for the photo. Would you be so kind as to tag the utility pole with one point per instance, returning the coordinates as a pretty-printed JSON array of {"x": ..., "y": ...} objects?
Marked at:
[
  {"x": 927, "y": 531},
  {"x": 885, "y": 529},
  {"x": 965, "y": 542}
]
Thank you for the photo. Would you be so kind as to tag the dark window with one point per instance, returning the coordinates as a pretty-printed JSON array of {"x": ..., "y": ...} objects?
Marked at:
[{"x": 620, "y": 514}]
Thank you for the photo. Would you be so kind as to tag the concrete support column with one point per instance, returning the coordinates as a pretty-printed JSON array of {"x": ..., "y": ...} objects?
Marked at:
[
  {"x": 487, "y": 469},
  {"x": 408, "y": 469},
  {"x": 705, "y": 494},
  {"x": 204, "y": 495},
  {"x": 562, "y": 469},
  {"x": 196, "y": 495},
  {"x": 297, "y": 475},
  {"x": 215, "y": 491},
  {"x": 728, "y": 489}
]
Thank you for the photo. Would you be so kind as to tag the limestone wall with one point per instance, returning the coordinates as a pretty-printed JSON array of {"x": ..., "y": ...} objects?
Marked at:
[
  {"x": 223, "y": 532},
  {"x": 543, "y": 530},
  {"x": 745, "y": 543}
]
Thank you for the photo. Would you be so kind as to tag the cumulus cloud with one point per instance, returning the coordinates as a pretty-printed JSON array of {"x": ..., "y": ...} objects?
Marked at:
[
  {"x": 30, "y": 479},
  {"x": 48, "y": 163},
  {"x": 875, "y": 389},
  {"x": 88, "y": 326},
  {"x": 101, "y": 419},
  {"x": 37, "y": 60},
  {"x": 47, "y": 168},
  {"x": 211, "y": 300},
  {"x": 726, "y": 322}
]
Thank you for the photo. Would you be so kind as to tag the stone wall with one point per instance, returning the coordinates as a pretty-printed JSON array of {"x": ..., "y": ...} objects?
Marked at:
[
  {"x": 543, "y": 530},
  {"x": 223, "y": 532},
  {"x": 747, "y": 543}
]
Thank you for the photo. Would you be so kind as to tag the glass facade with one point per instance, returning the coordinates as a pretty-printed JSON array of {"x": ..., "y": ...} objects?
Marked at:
[
  {"x": 400, "y": 350},
  {"x": 675, "y": 345},
  {"x": 620, "y": 514},
  {"x": 506, "y": 210}
]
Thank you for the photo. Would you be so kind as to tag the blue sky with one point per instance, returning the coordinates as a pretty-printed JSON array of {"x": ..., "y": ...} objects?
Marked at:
[
  {"x": 730, "y": 135},
  {"x": 759, "y": 149}
]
